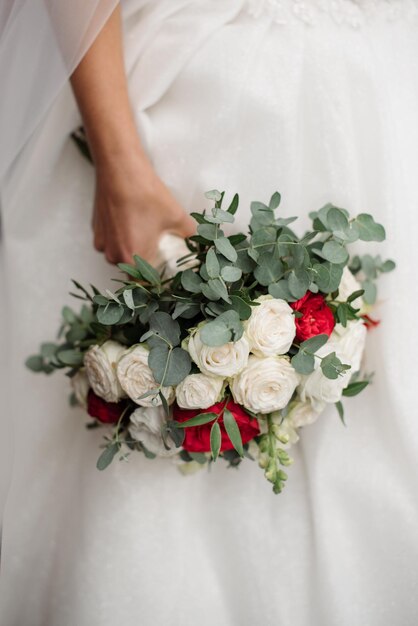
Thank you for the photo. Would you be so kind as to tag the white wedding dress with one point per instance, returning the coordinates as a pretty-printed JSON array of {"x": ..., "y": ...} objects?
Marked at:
[{"x": 316, "y": 99}]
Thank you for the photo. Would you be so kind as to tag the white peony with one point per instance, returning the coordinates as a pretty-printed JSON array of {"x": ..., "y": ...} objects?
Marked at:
[
  {"x": 136, "y": 378},
  {"x": 100, "y": 363},
  {"x": 265, "y": 385},
  {"x": 227, "y": 360},
  {"x": 350, "y": 341},
  {"x": 303, "y": 413},
  {"x": 80, "y": 385},
  {"x": 316, "y": 388},
  {"x": 271, "y": 328},
  {"x": 146, "y": 425},
  {"x": 348, "y": 285},
  {"x": 198, "y": 391}
]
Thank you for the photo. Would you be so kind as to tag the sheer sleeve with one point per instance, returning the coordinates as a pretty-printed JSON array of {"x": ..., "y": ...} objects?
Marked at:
[{"x": 41, "y": 42}]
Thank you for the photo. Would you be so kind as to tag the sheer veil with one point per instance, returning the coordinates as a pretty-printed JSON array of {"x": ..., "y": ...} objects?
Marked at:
[{"x": 41, "y": 42}]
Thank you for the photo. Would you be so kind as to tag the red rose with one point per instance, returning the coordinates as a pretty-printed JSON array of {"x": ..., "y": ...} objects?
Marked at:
[
  {"x": 317, "y": 318},
  {"x": 197, "y": 438},
  {"x": 105, "y": 412}
]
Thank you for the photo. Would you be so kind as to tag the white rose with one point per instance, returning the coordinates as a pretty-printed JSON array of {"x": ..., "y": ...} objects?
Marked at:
[
  {"x": 303, "y": 413},
  {"x": 271, "y": 328},
  {"x": 265, "y": 385},
  {"x": 348, "y": 285},
  {"x": 171, "y": 249},
  {"x": 316, "y": 388},
  {"x": 198, "y": 391},
  {"x": 223, "y": 361},
  {"x": 100, "y": 363},
  {"x": 136, "y": 378},
  {"x": 350, "y": 341},
  {"x": 146, "y": 424},
  {"x": 80, "y": 385}
]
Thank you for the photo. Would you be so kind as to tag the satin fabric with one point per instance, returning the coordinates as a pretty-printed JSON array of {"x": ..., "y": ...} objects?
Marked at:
[{"x": 229, "y": 98}]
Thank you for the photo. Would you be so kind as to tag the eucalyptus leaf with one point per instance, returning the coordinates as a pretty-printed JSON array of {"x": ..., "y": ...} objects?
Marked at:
[
  {"x": 269, "y": 269},
  {"x": 281, "y": 291},
  {"x": 208, "y": 231},
  {"x": 224, "y": 246},
  {"x": 314, "y": 343},
  {"x": 191, "y": 281},
  {"x": 303, "y": 363},
  {"x": 35, "y": 363},
  {"x": 231, "y": 274},
  {"x": 169, "y": 367},
  {"x": 234, "y": 204},
  {"x": 275, "y": 200},
  {"x": 110, "y": 314},
  {"x": 335, "y": 252},
  {"x": 212, "y": 264},
  {"x": 298, "y": 282},
  {"x": 163, "y": 325},
  {"x": 368, "y": 229},
  {"x": 213, "y": 194},
  {"x": 70, "y": 357}
]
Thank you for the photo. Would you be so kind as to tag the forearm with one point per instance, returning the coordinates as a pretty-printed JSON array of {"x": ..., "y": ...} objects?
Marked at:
[{"x": 100, "y": 87}]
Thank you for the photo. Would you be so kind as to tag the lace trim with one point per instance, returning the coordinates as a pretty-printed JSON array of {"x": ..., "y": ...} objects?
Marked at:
[{"x": 352, "y": 13}]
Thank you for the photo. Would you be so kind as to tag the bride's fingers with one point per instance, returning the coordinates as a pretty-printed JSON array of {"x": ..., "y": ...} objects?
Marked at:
[{"x": 98, "y": 233}]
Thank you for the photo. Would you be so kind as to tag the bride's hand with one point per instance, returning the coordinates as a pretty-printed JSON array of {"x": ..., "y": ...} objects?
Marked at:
[{"x": 132, "y": 209}]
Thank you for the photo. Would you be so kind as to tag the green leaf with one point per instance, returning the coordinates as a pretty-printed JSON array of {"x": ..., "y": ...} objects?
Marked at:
[
  {"x": 35, "y": 363},
  {"x": 70, "y": 357},
  {"x": 281, "y": 291},
  {"x": 298, "y": 283},
  {"x": 233, "y": 431},
  {"x": 231, "y": 274},
  {"x": 213, "y": 194},
  {"x": 169, "y": 367},
  {"x": 110, "y": 314},
  {"x": 212, "y": 264},
  {"x": 388, "y": 266},
  {"x": 275, "y": 200},
  {"x": 148, "y": 272},
  {"x": 336, "y": 220},
  {"x": 370, "y": 292},
  {"x": 208, "y": 231},
  {"x": 314, "y": 343},
  {"x": 355, "y": 295},
  {"x": 303, "y": 363},
  {"x": 269, "y": 269},
  {"x": 107, "y": 456},
  {"x": 241, "y": 307},
  {"x": 332, "y": 367},
  {"x": 215, "y": 333},
  {"x": 163, "y": 325},
  {"x": 68, "y": 315},
  {"x": 327, "y": 276},
  {"x": 340, "y": 409},
  {"x": 264, "y": 236},
  {"x": 355, "y": 388},
  {"x": 368, "y": 229},
  {"x": 218, "y": 288},
  {"x": 215, "y": 440},
  {"x": 191, "y": 281},
  {"x": 234, "y": 205},
  {"x": 128, "y": 299},
  {"x": 198, "y": 420},
  {"x": 220, "y": 217},
  {"x": 335, "y": 252},
  {"x": 48, "y": 350},
  {"x": 130, "y": 270},
  {"x": 224, "y": 246}
]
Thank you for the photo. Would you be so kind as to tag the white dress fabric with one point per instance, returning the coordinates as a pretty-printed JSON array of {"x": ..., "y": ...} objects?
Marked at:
[{"x": 318, "y": 100}]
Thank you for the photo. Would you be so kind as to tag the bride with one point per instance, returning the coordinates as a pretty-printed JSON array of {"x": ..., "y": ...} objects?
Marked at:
[{"x": 317, "y": 99}]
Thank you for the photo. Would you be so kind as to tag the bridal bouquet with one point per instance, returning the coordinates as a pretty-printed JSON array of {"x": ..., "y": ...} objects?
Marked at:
[{"x": 230, "y": 352}]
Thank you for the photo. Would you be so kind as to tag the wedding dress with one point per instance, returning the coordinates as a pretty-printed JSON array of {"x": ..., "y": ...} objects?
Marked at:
[{"x": 318, "y": 100}]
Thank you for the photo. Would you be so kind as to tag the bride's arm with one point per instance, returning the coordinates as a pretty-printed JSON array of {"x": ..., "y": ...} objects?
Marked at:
[{"x": 132, "y": 206}]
